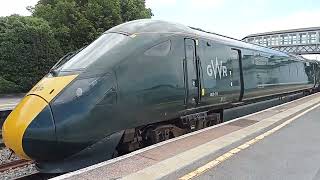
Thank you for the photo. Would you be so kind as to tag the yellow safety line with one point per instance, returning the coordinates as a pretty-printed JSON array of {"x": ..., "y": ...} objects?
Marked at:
[{"x": 236, "y": 150}]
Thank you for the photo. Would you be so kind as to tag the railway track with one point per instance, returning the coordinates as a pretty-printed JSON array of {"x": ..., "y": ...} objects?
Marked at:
[{"x": 14, "y": 164}]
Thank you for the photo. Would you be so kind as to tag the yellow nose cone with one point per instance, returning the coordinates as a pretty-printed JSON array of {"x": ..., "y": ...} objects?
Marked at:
[
  {"x": 27, "y": 110},
  {"x": 18, "y": 121}
]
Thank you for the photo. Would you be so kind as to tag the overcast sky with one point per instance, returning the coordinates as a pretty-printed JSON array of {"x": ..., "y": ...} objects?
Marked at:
[
  {"x": 8, "y": 7},
  {"x": 228, "y": 17}
]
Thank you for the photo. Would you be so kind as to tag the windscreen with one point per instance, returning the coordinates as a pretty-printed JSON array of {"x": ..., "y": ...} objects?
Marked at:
[{"x": 94, "y": 52}]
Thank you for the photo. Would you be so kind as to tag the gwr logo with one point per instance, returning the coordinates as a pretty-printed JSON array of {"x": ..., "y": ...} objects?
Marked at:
[{"x": 217, "y": 69}]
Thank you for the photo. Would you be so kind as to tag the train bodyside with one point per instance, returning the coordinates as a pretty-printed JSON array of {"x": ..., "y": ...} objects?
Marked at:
[
  {"x": 256, "y": 71},
  {"x": 181, "y": 75},
  {"x": 192, "y": 72}
]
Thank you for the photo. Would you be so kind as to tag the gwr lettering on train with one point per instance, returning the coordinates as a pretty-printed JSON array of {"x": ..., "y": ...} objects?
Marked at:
[{"x": 216, "y": 68}]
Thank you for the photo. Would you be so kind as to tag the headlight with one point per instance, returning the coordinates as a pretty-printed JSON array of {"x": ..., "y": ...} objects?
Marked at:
[{"x": 79, "y": 88}]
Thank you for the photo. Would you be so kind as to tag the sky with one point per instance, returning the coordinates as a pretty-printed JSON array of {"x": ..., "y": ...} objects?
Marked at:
[
  {"x": 8, "y": 7},
  {"x": 232, "y": 18}
]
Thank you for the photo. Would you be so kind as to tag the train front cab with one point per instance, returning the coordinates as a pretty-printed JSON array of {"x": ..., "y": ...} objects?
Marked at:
[{"x": 30, "y": 129}]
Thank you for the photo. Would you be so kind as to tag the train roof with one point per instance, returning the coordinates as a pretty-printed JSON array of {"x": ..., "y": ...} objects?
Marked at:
[
  {"x": 149, "y": 25},
  {"x": 159, "y": 26}
]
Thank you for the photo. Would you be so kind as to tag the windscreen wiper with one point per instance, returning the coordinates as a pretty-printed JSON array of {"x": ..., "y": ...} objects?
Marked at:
[{"x": 63, "y": 60}]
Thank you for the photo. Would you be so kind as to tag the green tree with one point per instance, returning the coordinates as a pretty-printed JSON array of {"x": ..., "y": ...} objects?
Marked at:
[
  {"x": 134, "y": 9},
  {"x": 76, "y": 23},
  {"x": 102, "y": 14},
  {"x": 27, "y": 51},
  {"x": 69, "y": 25}
]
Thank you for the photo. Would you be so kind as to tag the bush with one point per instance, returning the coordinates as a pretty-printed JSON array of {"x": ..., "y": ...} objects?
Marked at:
[
  {"x": 8, "y": 87},
  {"x": 27, "y": 51},
  {"x": 77, "y": 23}
]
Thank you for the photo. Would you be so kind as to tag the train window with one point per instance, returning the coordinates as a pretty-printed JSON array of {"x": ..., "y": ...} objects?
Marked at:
[
  {"x": 110, "y": 98},
  {"x": 106, "y": 43},
  {"x": 161, "y": 49},
  {"x": 190, "y": 52}
]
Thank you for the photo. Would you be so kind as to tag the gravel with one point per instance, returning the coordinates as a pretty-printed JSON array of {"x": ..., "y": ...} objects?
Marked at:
[
  {"x": 18, "y": 172},
  {"x": 4, "y": 156}
]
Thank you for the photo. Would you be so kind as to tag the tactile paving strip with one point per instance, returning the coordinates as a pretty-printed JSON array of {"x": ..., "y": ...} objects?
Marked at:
[{"x": 243, "y": 123}]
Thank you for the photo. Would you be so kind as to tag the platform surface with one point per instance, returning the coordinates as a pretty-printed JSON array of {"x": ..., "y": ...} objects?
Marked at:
[
  {"x": 272, "y": 158},
  {"x": 9, "y": 102},
  {"x": 290, "y": 153}
]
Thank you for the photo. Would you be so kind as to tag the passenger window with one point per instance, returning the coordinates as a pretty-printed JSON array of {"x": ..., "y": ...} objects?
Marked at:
[{"x": 161, "y": 49}]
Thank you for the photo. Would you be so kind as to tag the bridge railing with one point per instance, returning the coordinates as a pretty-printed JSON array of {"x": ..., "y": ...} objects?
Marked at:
[{"x": 296, "y": 41}]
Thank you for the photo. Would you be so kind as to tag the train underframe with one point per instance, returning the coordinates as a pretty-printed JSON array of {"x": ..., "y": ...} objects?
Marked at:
[{"x": 140, "y": 137}]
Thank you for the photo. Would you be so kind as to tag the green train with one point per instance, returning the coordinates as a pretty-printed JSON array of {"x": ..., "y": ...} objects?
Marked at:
[{"x": 141, "y": 83}]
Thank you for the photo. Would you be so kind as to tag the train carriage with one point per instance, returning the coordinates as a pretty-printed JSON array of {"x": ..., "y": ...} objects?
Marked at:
[{"x": 140, "y": 83}]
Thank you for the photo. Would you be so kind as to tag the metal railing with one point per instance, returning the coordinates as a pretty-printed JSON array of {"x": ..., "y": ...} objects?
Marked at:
[{"x": 295, "y": 41}]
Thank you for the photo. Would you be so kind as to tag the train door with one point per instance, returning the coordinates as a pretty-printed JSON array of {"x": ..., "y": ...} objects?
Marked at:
[
  {"x": 220, "y": 73},
  {"x": 191, "y": 73}
]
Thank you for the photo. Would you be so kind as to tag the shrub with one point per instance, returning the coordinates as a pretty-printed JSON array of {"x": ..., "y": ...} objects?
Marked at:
[{"x": 27, "y": 51}]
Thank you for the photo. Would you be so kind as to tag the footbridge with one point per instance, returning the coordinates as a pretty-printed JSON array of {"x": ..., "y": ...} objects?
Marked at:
[{"x": 296, "y": 41}]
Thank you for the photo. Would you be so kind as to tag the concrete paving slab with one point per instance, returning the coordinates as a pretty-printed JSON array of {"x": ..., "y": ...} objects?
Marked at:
[
  {"x": 118, "y": 169},
  {"x": 264, "y": 115},
  {"x": 243, "y": 123},
  {"x": 290, "y": 153}
]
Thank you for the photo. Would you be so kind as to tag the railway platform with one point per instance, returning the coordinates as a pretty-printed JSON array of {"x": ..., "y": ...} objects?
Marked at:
[
  {"x": 8, "y": 102},
  {"x": 281, "y": 142},
  {"x": 290, "y": 153}
]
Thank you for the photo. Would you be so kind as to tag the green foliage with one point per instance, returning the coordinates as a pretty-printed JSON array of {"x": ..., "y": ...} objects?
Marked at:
[
  {"x": 8, "y": 87},
  {"x": 76, "y": 23},
  {"x": 27, "y": 51},
  {"x": 134, "y": 9}
]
